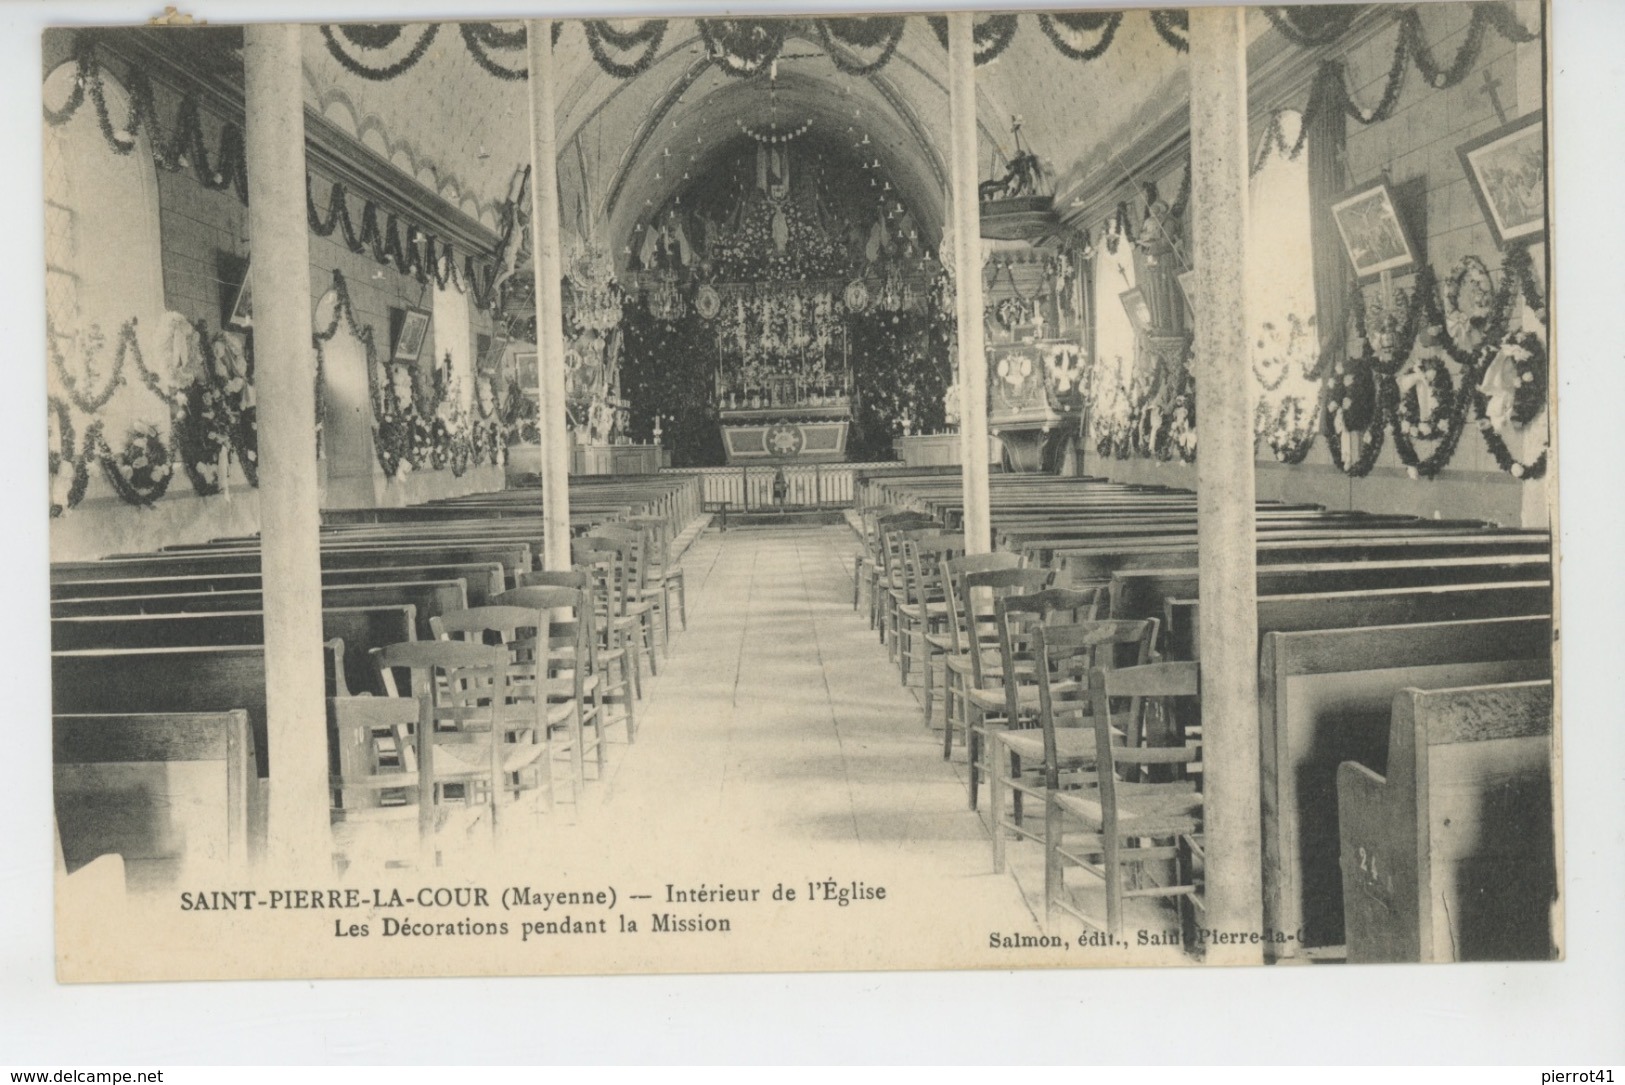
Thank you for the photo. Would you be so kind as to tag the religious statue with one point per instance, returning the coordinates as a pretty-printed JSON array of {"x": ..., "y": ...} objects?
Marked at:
[{"x": 1157, "y": 260}]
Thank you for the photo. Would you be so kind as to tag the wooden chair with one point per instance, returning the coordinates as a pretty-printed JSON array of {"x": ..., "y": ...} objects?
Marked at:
[
  {"x": 907, "y": 615},
  {"x": 613, "y": 663},
  {"x": 983, "y": 698},
  {"x": 1034, "y": 749},
  {"x": 631, "y": 585},
  {"x": 603, "y": 561},
  {"x": 1141, "y": 830},
  {"x": 863, "y": 566},
  {"x": 886, "y": 576},
  {"x": 549, "y": 668},
  {"x": 468, "y": 737},
  {"x": 955, "y": 645},
  {"x": 926, "y": 610},
  {"x": 663, "y": 575}
]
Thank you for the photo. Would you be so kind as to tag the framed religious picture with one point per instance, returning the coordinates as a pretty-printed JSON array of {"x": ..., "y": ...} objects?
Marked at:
[
  {"x": 242, "y": 307},
  {"x": 1373, "y": 234},
  {"x": 1139, "y": 313},
  {"x": 409, "y": 337},
  {"x": 1507, "y": 171}
]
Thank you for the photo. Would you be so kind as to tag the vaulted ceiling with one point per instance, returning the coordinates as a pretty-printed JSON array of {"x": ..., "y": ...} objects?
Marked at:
[{"x": 625, "y": 145}]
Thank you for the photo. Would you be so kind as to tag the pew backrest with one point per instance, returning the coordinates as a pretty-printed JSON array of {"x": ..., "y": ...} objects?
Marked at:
[
  {"x": 1324, "y": 698},
  {"x": 163, "y": 791},
  {"x": 1449, "y": 855}
]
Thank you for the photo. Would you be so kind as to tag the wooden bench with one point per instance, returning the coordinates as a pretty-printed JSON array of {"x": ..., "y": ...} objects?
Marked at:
[
  {"x": 219, "y": 678},
  {"x": 1144, "y": 593},
  {"x": 169, "y": 793},
  {"x": 482, "y": 581},
  {"x": 1324, "y": 698},
  {"x": 427, "y": 600},
  {"x": 361, "y": 629},
  {"x": 1371, "y": 606},
  {"x": 1097, "y": 564},
  {"x": 514, "y": 559},
  {"x": 1448, "y": 854}
]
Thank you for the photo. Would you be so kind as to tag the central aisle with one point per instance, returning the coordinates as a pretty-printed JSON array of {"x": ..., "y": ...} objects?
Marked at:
[{"x": 777, "y": 714}]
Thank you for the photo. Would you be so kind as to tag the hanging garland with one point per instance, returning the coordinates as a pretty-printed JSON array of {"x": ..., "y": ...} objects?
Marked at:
[
  {"x": 1289, "y": 430},
  {"x": 389, "y": 71},
  {"x": 1173, "y": 25},
  {"x": 742, "y": 48},
  {"x": 65, "y": 453},
  {"x": 141, "y": 472},
  {"x": 880, "y": 31},
  {"x": 185, "y": 145},
  {"x": 1526, "y": 355},
  {"x": 1311, "y": 26},
  {"x": 480, "y": 38},
  {"x": 385, "y": 246},
  {"x": 1331, "y": 86},
  {"x": 127, "y": 344},
  {"x": 647, "y": 36},
  {"x": 1105, "y": 23},
  {"x": 992, "y": 36}
]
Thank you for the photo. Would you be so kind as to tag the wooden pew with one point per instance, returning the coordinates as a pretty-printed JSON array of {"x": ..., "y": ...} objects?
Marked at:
[
  {"x": 1324, "y": 698},
  {"x": 427, "y": 600},
  {"x": 1448, "y": 854},
  {"x": 1144, "y": 593},
  {"x": 1368, "y": 607},
  {"x": 166, "y": 792},
  {"x": 218, "y": 678},
  {"x": 515, "y": 559},
  {"x": 482, "y": 581},
  {"x": 361, "y": 629}
]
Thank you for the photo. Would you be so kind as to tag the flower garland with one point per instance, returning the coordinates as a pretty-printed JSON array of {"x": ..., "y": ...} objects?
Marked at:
[
  {"x": 385, "y": 246},
  {"x": 1526, "y": 355},
  {"x": 1173, "y": 26},
  {"x": 1311, "y": 26},
  {"x": 185, "y": 144},
  {"x": 742, "y": 48},
  {"x": 1331, "y": 86},
  {"x": 880, "y": 31},
  {"x": 1105, "y": 22},
  {"x": 1289, "y": 430},
  {"x": 480, "y": 38},
  {"x": 240, "y": 419},
  {"x": 65, "y": 453},
  {"x": 140, "y": 473},
  {"x": 389, "y": 71},
  {"x": 647, "y": 36},
  {"x": 127, "y": 345},
  {"x": 992, "y": 36}
]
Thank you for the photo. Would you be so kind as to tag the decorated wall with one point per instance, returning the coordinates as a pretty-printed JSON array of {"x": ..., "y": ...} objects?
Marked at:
[
  {"x": 152, "y": 406},
  {"x": 1423, "y": 390}
]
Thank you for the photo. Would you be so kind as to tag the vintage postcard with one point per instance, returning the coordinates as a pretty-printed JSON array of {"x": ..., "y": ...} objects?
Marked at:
[{"x": 725, "y": 494}]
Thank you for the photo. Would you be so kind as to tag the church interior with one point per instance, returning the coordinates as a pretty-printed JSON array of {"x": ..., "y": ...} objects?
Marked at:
[{"x": 1094, "y": 467}]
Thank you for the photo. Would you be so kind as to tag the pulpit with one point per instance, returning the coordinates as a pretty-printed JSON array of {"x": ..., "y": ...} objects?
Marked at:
[{"x": 1032, "y": 404}]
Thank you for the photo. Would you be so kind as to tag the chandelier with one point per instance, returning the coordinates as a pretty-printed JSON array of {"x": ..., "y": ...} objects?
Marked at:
[
  {"x": 665, "y": 301},
  {"x": 595, "y": 298}
]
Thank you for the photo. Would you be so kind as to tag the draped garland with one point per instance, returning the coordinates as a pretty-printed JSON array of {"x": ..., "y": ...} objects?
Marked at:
[
  {"x": 879, "y": 32},
  {"x": 1422, "y": 331},
  {"x": 1330, "y": 88},
  {"x": 180, "y": 145},
  {"x": 203, "y": 416},
  {"x": 384, "y": 244},
  {"x": 183, "y": 145},
  {"x": 412, "y": 434},
  {"x": 647, "y": 38}
]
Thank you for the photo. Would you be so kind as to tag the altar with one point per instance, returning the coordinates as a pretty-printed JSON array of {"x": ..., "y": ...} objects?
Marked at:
[{"x": 792, "y": 434}]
